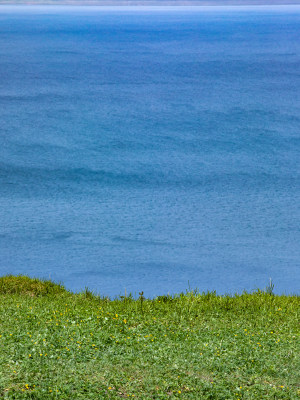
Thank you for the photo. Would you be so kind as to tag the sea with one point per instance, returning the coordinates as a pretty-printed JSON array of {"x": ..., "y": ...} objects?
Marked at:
[{"x": 151, "y": 149}]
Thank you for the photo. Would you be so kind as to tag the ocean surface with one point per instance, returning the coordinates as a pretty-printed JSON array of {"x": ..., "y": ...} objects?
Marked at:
[{"x": 155, "y": 150}]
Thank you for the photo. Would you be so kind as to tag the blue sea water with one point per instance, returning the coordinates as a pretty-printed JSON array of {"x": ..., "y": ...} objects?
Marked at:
[{"x": 151, "y": 149}]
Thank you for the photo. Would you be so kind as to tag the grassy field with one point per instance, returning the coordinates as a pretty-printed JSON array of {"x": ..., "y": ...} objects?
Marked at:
[{"x": 55, "y": 344}]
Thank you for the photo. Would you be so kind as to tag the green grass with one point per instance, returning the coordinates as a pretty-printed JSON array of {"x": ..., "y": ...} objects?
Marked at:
[{"x": 56, "y": 344}]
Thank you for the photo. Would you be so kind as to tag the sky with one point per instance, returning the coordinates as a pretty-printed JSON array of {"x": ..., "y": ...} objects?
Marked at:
[{"x": 154, "y": 2}]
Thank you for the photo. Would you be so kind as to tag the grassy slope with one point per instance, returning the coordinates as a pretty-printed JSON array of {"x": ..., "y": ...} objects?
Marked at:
[{"x": 55, "y": 344}]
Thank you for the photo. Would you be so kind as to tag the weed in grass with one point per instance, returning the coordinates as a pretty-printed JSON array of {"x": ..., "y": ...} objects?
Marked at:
[{"x": 269, "y": 289}]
